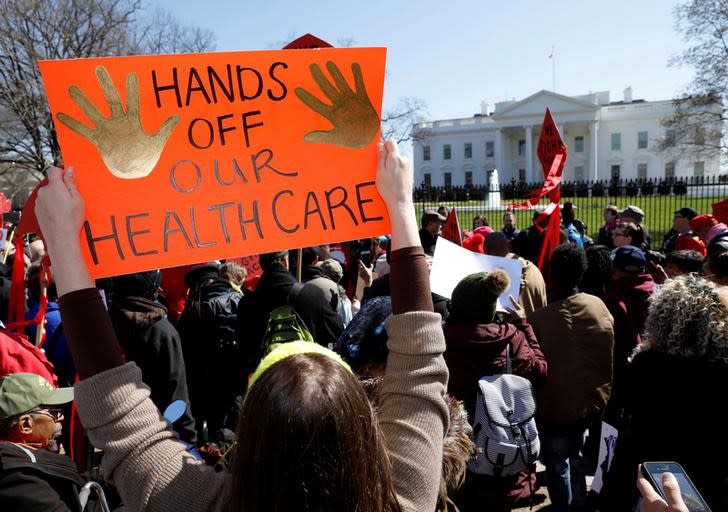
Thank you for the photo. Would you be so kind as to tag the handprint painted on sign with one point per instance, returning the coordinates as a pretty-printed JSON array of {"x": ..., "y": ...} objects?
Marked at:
[
  {"x": 128, "y": 151},
  {"x": 355, "y": 121}
]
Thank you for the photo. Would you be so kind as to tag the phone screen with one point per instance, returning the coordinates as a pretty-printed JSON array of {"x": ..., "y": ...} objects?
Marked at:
[{"x": 690, "y": 495}]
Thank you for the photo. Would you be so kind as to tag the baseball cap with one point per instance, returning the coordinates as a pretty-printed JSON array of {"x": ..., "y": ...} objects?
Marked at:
[
  {"x": 630, "y": 259},
  {"x": 21, "y": 392},
  {"x": 634, "y": 212},
  {"x": 332, "y": 269},
  {"x": 432, "y": 215},
  {"x": 688, "y": 213}
]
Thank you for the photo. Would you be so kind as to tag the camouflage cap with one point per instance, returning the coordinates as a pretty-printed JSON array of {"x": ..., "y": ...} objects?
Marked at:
[{"x": 22, "y": 392}]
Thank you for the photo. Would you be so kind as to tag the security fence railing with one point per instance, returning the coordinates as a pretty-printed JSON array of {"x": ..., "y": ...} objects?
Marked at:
[{"x": 659, "y": 199}]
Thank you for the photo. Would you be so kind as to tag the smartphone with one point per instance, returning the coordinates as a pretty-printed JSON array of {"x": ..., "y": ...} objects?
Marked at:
[{"x": 653, "y": 471}]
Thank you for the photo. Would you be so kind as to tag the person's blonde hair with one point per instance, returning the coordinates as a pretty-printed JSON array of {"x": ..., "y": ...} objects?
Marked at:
[{"x": 688, "y": 317}]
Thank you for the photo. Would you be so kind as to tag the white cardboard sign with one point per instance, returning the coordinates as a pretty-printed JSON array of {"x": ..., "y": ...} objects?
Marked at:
[{"x": 452, "y": 263}]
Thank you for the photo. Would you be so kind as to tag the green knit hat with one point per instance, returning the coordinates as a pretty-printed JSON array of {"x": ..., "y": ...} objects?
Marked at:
[{"x": 474, "y": 298}]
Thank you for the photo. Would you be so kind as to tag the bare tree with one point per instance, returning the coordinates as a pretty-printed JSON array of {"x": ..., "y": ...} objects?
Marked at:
[
  {"x": 33, "y": 30},
  {"x": 398, "y": 123},
  {"x": 696, "y": 126}
]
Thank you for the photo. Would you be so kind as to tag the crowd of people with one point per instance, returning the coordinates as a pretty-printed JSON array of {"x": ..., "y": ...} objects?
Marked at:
[{"x": 353, "y": 387}]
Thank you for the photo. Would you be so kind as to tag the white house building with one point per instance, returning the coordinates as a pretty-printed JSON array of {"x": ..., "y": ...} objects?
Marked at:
[{"x": 604, "y": 139}]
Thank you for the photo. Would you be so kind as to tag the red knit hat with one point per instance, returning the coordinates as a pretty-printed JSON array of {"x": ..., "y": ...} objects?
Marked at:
[
  {"x": 702, "y": 222},
  {"x": 475, "y": 243}
]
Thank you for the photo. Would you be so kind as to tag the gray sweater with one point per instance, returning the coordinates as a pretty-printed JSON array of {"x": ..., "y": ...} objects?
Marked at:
[{"x": 153, "y": 472}]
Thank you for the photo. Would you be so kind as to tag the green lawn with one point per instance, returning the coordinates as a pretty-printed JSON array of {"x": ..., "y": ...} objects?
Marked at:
[{"x": 658, "y": 210}]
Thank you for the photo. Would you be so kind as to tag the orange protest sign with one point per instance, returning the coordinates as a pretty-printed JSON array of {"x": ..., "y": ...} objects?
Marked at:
[{"x": 189, "y": 158}]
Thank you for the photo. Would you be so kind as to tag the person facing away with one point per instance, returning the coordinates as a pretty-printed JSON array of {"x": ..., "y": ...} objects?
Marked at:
[
  {"x": 627, "y": 298},
  {"x": 476, "y": 346},
  {"x": 567, "y": 218},
  {"x": 212, "y": 350},
  {"x": 677, "y": 374},
  {"x": 307, "y": 435},
  {"x": 532, "y": 294},
  {"x": 576, "y": 333},
  {"x": 33, "y": 476},
  {"x": 149, "y": 339}
]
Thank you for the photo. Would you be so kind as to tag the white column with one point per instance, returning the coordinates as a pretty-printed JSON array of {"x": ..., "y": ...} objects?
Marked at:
[
  {"x": 529, "y": 154},
  {"x": 593, "y": 145},
  {"x": 500, "y": 154}
]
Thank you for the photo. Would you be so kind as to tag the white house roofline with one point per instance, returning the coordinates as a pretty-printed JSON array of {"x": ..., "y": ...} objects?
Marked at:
[{"x": 543, "y": 92}]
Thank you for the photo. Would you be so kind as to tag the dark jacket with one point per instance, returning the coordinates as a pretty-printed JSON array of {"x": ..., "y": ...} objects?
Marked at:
[
  {"x": 627, "y": 299},
  {"x": 274, "y": 290},
  {"x": 55, "y": 346},
  {"x": 475, "y": 350},
  {"x": 213, "y": 353},
  {"x": 605, "y": 235},
  {"x": 149, "y": 340},
  {"x": 576, "y": 335},
  {"x": 37, "y": 480},
  {"x": 672, "y": 414}
]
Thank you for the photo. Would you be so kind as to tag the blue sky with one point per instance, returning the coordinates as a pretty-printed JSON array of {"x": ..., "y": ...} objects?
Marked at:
[{"x": 456, "y": 54}]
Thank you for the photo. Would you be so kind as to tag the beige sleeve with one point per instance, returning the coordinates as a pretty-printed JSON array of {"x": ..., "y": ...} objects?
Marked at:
[
  {"x": 412, "y": 412},
  {"x": 142, "y": 455}
]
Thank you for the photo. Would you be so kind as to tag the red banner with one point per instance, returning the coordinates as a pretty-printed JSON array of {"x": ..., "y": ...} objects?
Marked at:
[{"x": 451, "y": 228}]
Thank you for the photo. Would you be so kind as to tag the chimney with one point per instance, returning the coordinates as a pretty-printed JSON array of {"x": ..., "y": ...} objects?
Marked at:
[
  {"x": 628, "y": 95},
  {"x": 485, "y": 108}
]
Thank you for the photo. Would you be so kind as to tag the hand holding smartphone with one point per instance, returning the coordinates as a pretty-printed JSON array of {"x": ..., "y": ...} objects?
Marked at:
[{"x": 653, "y": 471}]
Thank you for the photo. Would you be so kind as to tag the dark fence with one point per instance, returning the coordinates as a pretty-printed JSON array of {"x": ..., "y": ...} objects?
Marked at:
[{"x": 659, "y": 199}]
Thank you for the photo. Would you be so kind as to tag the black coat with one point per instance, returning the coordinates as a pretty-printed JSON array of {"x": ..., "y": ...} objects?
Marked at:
[
  {"x": 150, "y": 340},
  {"x": 37, "y": 480},
  {"x": 672, "y": 407},
  {"x": 380, "y": 288},
  {"x": 213, "y": 354}
]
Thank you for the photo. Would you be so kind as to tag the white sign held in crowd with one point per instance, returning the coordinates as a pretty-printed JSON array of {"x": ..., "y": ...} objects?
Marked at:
[
  {"x": 3, "y": 238},
  {"x": 452, "y": 263},
  {"x": 607, "y": 443}
]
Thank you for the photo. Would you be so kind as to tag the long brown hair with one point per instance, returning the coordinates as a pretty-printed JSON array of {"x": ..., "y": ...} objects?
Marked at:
[{"x": 308, "y": 441}]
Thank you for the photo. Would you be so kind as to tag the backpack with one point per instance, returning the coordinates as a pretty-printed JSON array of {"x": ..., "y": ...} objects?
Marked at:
[
  {"x": 285, "y": 325},
  {"x": 506, "y": 439}
]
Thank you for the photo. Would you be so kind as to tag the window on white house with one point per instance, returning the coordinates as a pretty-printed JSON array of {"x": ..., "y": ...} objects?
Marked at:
[
  {"x": 448, "y": 179},
  {"x": 427, "y": 178},
  {"x": 616, "y": 172},
  {"x": 522, "y": 147},
  {"x": 468, "y": 178},
  {"x": 489, "y": 149},
  {"x": 616, "y": 141},
  {"x": 446, "y": 152},
  {"x": 699, "y": 169},
  {"x": 579, "y": 144},
  {"x": 641, "y": 140},
  {"x": 468, "y": 150},
  {"x": 670, "y": 137},
  {"x": 426, "y": 153},
  {"x": 521, "y": 174},
  {"x": 579, "y": 173}
]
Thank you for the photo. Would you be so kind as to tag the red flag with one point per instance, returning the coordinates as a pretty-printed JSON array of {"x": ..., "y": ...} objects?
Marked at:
[
  {"x": 552, "y": 155},
  {"x": 451, "y": 229},
  {"x": 5, "y": 204}
]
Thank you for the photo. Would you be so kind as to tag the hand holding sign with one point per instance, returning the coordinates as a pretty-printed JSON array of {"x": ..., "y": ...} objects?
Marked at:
[
  {"x": 354, "y": 119},
  {"x": 127, "y": 150}
]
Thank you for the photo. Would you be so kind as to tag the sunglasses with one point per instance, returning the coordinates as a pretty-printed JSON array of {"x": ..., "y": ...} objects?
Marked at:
[{"x": 56, "y": 414}]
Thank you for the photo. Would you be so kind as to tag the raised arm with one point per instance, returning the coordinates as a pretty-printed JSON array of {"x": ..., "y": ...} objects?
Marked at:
[
  {"x": 412, "y": 412},
  {"x": 90, "y": 335},
  {"x": 142, "y": 456}
]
